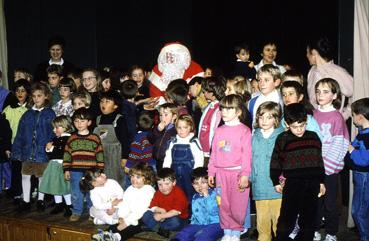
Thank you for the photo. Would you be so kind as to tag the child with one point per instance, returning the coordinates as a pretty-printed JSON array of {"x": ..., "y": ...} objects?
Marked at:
[
  {"x": 112, "y": 130},
  {"x": 64, "y": 105},
  {"x": 83, "y": 151},
  {"x": 359, "y": 163},
  {"x": 176, "y": 93},
  {"x": 22, "y": 73},
  {"x": 267, "y": 200},
  {"x": 34, "y": 127},
  {"x": 137, "y": 199},
  {"x": 269, "y": 78},
  {"x": 138, "y": 75},
  {"x": 76, "y": 75},
  {"x": 214, "y": 91},
  {"x": 293, "y": 75},
  {"x": 81, "y": 99},
  {"x": 184, "y": 153},
  {"x": 163, "y": 132},
  {"x": 230, "y": 162},
  {"x": 129, "y": 109},
  {"x": 197, "y": 102},
  {"x": 205, "y": 211},
  {"x": 292, "y": 92},
  {"x": 269, "y": 53},
  {"x": 91, "y": 81},
  {"x": 169, "y": 206},
  {"x": 297, "y": 154},
  {"x": 54, "y": 75},
  {"x": 244, "y": 67},
  {"x": 105, "y": 195},
  {"x": 334, "y": 148},
  {"x": 239, "y": 86},
  {"x": 5, "y": 147},
  {"x": 141, "y": 150},
  {"x": 53, "y": 181}
]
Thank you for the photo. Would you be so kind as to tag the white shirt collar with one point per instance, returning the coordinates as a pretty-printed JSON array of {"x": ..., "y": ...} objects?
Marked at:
[{"x": 61, "y": 62}]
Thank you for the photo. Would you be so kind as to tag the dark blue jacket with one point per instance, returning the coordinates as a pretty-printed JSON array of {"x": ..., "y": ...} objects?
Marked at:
[{"x": 34, "y": 132}]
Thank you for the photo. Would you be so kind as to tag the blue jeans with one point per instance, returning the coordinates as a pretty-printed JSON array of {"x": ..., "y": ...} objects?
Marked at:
[
  {"x": 5, "y": 174},
  {"x": 360, "y": 203},
  {"x": 77, "y": 195},
  {"x": 247, "y": 223},
  {"x": 195, "y": 232},
  {"x": 173, "y": 224}
]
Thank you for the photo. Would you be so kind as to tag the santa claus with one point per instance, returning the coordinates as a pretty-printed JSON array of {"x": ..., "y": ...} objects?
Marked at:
[{"x": 174, "y": 62}]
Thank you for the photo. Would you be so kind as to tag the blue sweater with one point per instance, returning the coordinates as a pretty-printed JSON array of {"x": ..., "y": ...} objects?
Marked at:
[
  {"x": 205, "y": 210},
  {"x": 262, "y": 149},
  {"x": 34, "y": 132}
]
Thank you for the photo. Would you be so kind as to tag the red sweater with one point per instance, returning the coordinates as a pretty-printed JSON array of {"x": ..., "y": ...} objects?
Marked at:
[{"x": 176, "y": 200}]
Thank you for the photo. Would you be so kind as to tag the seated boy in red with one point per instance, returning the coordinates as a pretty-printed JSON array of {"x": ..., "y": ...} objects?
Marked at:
[{"x": 169, "y": 206}]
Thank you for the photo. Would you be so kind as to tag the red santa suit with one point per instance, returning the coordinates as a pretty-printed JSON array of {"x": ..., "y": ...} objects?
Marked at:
[{"x": 174, "y": 62}]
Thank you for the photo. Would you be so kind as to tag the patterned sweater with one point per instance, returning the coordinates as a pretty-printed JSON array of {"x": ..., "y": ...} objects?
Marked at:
[
  {"x": 297, "y": 157},
  {"x": 335, "y": 139},
  {"x": 141, "y": 150},
  {"x": 83, "y": 152}
]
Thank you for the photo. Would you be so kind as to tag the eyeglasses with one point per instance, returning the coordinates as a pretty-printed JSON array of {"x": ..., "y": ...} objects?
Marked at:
[{"x": 89, "y": 78}]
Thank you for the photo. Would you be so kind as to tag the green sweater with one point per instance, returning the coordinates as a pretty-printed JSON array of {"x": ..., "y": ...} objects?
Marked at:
[{"x": 83, "y": 152}]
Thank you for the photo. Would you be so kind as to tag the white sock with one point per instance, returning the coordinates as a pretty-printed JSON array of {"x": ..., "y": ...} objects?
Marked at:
[
  {"x": 26, "y": 188},
  {"x": 68, "y": 199},
  {"x": 58, "y": 198},
  {"x": 40, "y": 194}
]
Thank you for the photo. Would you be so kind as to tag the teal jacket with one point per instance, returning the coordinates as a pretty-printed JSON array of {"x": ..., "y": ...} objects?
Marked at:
[{"x": 262, "y": 149}]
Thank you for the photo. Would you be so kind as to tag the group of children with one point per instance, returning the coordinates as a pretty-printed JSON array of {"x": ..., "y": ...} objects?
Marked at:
[{"x": 99, "y": 144}]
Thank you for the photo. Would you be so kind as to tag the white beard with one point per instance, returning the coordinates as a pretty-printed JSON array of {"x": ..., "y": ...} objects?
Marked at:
[{"x": 171, "y": 72}]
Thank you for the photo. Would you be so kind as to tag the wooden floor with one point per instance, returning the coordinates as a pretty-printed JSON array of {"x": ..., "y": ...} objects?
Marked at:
[{"x": 36, "y": 226}]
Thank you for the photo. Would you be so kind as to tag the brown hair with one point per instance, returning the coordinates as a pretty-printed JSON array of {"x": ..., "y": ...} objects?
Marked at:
[{"x": 273, "y": 108}]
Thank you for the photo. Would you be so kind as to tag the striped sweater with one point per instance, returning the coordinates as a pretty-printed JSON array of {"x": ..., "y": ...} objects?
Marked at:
[
  {"x": 335, "y": 139},
  {"x": 83, "y": 152},
  {"x": 141, "y": 150}
]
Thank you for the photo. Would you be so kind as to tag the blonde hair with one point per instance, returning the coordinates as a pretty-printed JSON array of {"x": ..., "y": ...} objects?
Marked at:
[
  {"x": 84, "y": 96},
  {"x": 64, "y": 122},
  {"x": 241, "y": 87},
  {"x": 188, "y": 119},
  {"x": 171, "y": 107},
  {"x": 270, "y": 69},
  {"x": 271, "y": 107}
]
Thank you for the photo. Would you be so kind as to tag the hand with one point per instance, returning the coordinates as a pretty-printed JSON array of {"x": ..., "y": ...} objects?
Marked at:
[
  {"x": 351, "y": 148},
  {"x": 116, "y": 201},
  {"x": 211, "y": 181},
  {"x": 123, "y": 163},
  {"x": 126, "y": 170},
  {"x": 111, "y": 211},
  {"x": 67, "y": 175},
  {"x": 278, "y": 188},
  {"x": 161, "y": 125},
  {"x": 243, "y": 183},
  {"x": 49, "y": 145},
  {"x": 158, "y": 217},
  {"x": 160, "y": 210},
  {"x": 322, "y": 190},
  {"x": 8, "y": 154},
  {"x": 251, "y": 64}
]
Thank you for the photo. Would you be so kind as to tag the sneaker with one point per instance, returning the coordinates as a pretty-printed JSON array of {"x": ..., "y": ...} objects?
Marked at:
[
  {"x": 234, "y": 238},
  {"x": 98, "y": 221},
  {"x": 163, "y": 232},
  {"x": 110, "y": 236},
  {"x": 295, "y": 231},
  {"x": 330, "y": 238},
  {"x": 40, "y": 205},
  {"x": 226, "y": 238},
  {"x": 59, "y": 207},
  {"x": 98, "y": 237},
  {"x": 317, "y": 236},
  {"x": 68, "y": 210},
  {"x": 74, "y": 217}
]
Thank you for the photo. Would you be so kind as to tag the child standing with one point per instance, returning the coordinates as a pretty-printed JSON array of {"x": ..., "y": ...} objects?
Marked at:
[
  {"x": 83, "y": 151},
  {"x": 269, "y": 78},
  {"x": 163, "y": 133},
  {"x": 169, "y": 206},
  {"x": 297, "y": 154},
  {"x": 334, "y": 148},
  {"x": 54, "y": 75},
  {"x": 53, "y": 181},
  {"x": 64, "y": 106},
  {"x": 91, "y": 81},
  {"x": 184, "y": 153},
  {"x": 81, "y": 99},
  {"x": 230, "y": 162},
  {"x": 34, "y": 131},
  {"x": 267, "y": 200},
  {"x": 105, "y": 195},
  {"x": 112, "y": 130},
  {"x": 205, "y": 211},
  {"x": 359, "y": 163}
]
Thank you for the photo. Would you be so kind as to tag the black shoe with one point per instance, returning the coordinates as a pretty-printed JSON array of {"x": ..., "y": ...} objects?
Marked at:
[
  {"x": 59, "y": 207},
  {"x": 163, "y": 232},
  {"x": 68, "y": 210},
  {"x": 40, "y": 205},
  {"x": 24, "y": 207}
]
